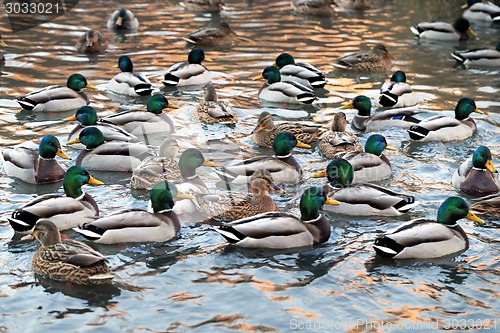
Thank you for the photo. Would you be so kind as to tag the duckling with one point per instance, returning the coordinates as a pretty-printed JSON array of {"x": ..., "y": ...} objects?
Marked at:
[
  {"x": 375, "y": 60},
  {"x": 337, "y": 141},
  {"x": 278, "y": 230},
  {"x": 444, "y": 31},
  {"x": 313, "y": 7},
  {"x": 488, "y": 205},
  {"x": 122, "y": 19},
  {"x": 129, "y": 82},
  {"x": 212, "y": 36},
  {"x": 478, "y": 57},
  {"x": 356, "y": 4},
  {"x": 204, "y": 6},
  {"x": 282, "y": 166},
  {"x": 481, "y": 11},
  {"x": 65, "y": 211},
  {"x": 397, "y": 93},
  {"x": 108, "y": 156},
  {"x": 443, "y": 128},
  {"x": 2, "y": 44},
  {"x": 477, "y": 176},
  {"x": 265, "y": 132},
  {"x": 58, "y": 98},
  {"x": 428, "y": 238},
  {"x": 301, "y": 72},
  {"x": 188, "y": 73},
  {"x": 92, "y": 41},
  {"x": 277, "y": 91},
  {"x": 67, "y": 260},
  {"x": 35, "y": 166},
  {"x": 214, "y": 111}
]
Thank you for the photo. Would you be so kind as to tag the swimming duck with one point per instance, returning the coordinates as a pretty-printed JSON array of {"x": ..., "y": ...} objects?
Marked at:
[
  {"x": 365, "y": 122},
  {"x": 58, "y": 98},
  {"x": 427, "y": 238},
  {"x": 301, "y": 72},
  {"x": 188, "y": 73},
  {"x": 35, "y": 166},
  {"x": 282, "y": 166},
  {"x": 313, "y": 7},
  {"x": 2, "y": 44},
  {"x": 214, "y": 111},
  {"x": 278, "y": 230},
  {"x": 481, "y": 11},
  {"x": 266, "y": 130},
  {"x": 277, "y": 91},
  {"x": 356, "y": 4},
  {"x": 397, "y": 93},
  {"x": 338, "y": 142},
  {"x": 444, "y": 31},
  {"x": 377, "y": 59},
  {"x": 478, "y": 57},
  {"x": 92, "y": 41},
  {"x": 138, "y": 225},
  {"x": 108, "y": 156},
  {"x": 488, "y": 205},
  {"x": 204, "y": 6},
  {"x": 122, "y": 19},
  {"x": 222, "y": 34},
  {"x": 67, "y": 260},
  {"x": 65, "y": 211},
  {"x": 443, "y": 128},
  {"x": 477, "y": 176},
  {"x": 129, "y": 82}
]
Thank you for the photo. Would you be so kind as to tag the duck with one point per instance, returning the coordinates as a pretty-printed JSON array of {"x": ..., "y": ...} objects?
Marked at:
[
  {"x": 277, "y": 91},
  {"x": 356, "y": 4},
  {"x": 58, "y": 98},
  {"x": 488, "y": 205},
  {"x": 67, "y": 260},
  {"x": 266, "y": 130},
  {"x": 231, "y": 206},
  {"x": 443, "y": 128},
  {"x": 363, "y": 121},
  {"x": 2, "y": 44},
  {"x": 370, "y": 165},
  {"x": 476, "y": 10},
  {"x": 337, "y": 142},
  {"x": 203, "y": 6},
  {"x": 477, "y": 176},
  {"x": 301, "y": 72},
  {"x": 397, "y": 93},
  {"x": 36, "y": 166},
  {"x": 108, "y": 156},
  {"x": 444, "y": 31},
  {"x": 92, "y": 41},
  {"x": 313, "y": 7},
  {"x": 65, "y": 211},
  {"x": 279, "y": 230},
  {"x": 188, "y": 73},
  {"x": 129, "y": 82},
  {"x": 122, "y": 19},
  {"x": 426, "y": 238},
  {"x": 138, "y": 225},
  {"x": 483, "y": 57},
  {"x": 214, "y": 111},
  {"x": 377, "y": 59},
  {"x": 139, "y": 122},
  {"x": 282, "y": 166},
  {"x": 222, "y": 34}
]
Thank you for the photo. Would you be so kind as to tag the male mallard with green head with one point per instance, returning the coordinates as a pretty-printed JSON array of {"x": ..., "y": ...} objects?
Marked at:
[
  {"x": 190, "y": 72},
  {"x": 122, "y": 19},
  {"x": 444, "y": 31},
  {"x": 129, "y": 82}
]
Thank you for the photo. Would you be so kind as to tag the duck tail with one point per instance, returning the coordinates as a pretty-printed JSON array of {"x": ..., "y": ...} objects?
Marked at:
[
  {"x": 388, "y": 99},
  {"x": 455, "y": 55},
  {"x": 417, "y": 132},
  {"x": 23, "y": 221},
  {"x": 143, "y": 89},
  {"x": 416, "y": 31},
  {"x": 306, "y": 97},
  {"x": 406, "y": 204},
  {"x": 230, "y": 234},
  {"x": 387, "y": 247},
  {"x": 90, "y": 231},
  {"x": 170, "y": 80},
  {"x": 27, "y": 103}
]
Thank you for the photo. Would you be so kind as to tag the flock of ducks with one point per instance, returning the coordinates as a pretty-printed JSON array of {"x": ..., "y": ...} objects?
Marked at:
[{"x": 249, "y": 219}]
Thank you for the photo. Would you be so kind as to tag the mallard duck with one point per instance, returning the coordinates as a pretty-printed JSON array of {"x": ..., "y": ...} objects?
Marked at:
[
  {"x": 427, "y": 238},
  {"x": 301, "y": 72},
  {"x": 204, "y": 6},
  {"x": 370, "y": 165},
  {"x": 277, "y": 230},
  {"x": 282, "y": 166},
  {"x": 477, "y": 176},
  {"x": 266, "y": 130},
  {"x": 129, "y": 82},
  {"x": 277, "y": 91},
  {"x": 231, "y": 206},
  {"x": 397, "y": 93},
  {"x": 222, "y": 34},
  {"x": 377, "y": 59},
  {"x": 313, "y": 7},
  {"x": 65, "y": 211},
  {"x": 365, "y": 122},
  {"x": 488, "y": 205},
  {"x": 356, "y": 4},
  {"x": 108, "y": 156},
  {"x": 478, "y": 57},
  {"x": 35, "y": 166},
  {"x": 138, "y": 225},
  {"x": 67, "y": 260},
  {"x": 443, "y": 128},
  {"x": 481, "y": 11},
  {"x": 2, "y": 44},
  {"x": 58, "y": 98},
  {"x": 214, "y": 111},
  {"x": 337, "y": 141},
  {"x": 188, "y": 73},
  {"x": 444, "y": 31},
  {"x": 122, "y": 19},
  {"x": 92, "y": 41},
  {"x": 140, "y": 122}
]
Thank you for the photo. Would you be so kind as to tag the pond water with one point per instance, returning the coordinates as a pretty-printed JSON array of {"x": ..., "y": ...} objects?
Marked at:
[{"x": 196, "y": 282}]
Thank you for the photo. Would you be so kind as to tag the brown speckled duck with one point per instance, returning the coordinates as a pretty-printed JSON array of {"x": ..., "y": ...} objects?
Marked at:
[
  {"x": 337, "y": 141},
  {"x": 214, "y": 111},
  {"x": 92, "y": 41},
  {"x": 377, "y": 59},
  {"x": 212, "y": 36}
]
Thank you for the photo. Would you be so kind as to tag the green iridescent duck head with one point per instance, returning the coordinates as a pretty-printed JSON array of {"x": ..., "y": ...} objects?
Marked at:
[
  {"x": 196, "y": 56},
  {"x": 311, "y": 201},
  {"x": 284, "y": 143},
  {"x": 465, "y": 107},
  {"x": 283, "y": 60},
  {"x": 454, "y": 209},
  {"x": 49, "y": 147},
  {"x": 376, "y": 144},
  {"x": 190, "y": 160},
  {"x": 74, "y": 178},
  {"x": 125, "y": 64},
  {"x": 398, "y": 76},
  {"x": 77, "y": 82},
  {"x": 85, "y": 115},
  {"x": 90, "y": 136},
  {"x": 361, "y": 103},
  {"x": 162, "y": 196},
  {"x": 157, "y": 103},
  {"x": 482, "y": 159},
  {"x": 339, "y": 173}
]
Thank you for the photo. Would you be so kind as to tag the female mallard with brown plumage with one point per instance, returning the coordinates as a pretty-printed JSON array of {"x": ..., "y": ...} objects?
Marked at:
[
  {"x": 337, "y": 141},
  {"x": 214, "y": 111},
  {"x": 222, "y": 34},
  {"x": 313, "y": 7},
  {"x": 203, "y": 6},
  {"x": 377, "y": 59},
  {"x": 92, "y": 41}
]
